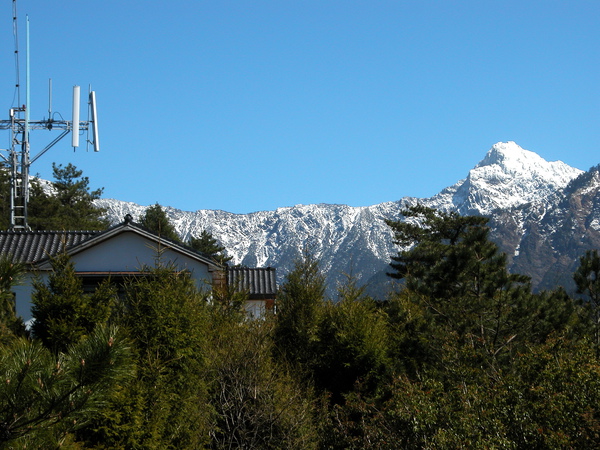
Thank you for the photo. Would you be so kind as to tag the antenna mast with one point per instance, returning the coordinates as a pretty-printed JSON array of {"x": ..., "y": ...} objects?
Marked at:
[{"x": 17, "y": 157}]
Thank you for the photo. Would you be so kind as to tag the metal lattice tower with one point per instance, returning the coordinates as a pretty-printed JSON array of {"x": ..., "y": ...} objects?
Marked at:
[{"x": 17, "y": 157}]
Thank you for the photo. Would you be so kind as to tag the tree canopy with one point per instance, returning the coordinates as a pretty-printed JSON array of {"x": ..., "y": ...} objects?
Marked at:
[
  {"x": 155, "y": 219},
  {"x": 207, "y": 244},
  {"x": 70, "y": 205},
  {"x": 463, "y": 354}
]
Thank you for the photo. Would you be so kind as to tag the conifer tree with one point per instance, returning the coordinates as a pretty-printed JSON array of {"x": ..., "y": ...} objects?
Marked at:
[
  {"x": 299, "y": 311},
  {"x": 167, "y": 404},
  {"x": 448, "y": 255},
  {"x": 63, "y": 313},
  {"x": 460, "y": 278},
  {"x": 587, "y": 280},
  {"x": 208, "y": 245},
  {"x": 352, "y": 343},
  {"x": 43, "y": 397},
  {"x": 70, "y": 206},
  {"x": 155, "y": 219},
  {"x": 10, "y": 275}
]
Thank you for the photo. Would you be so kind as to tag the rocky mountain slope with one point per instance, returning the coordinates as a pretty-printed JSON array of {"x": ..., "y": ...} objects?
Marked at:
[
  {"x": 544, "y": 239},
  {"x": 529, "y": 199}
]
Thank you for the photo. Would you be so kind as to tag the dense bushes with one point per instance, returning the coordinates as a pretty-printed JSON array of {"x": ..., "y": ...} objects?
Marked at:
[{"x": 463, "y": 355}]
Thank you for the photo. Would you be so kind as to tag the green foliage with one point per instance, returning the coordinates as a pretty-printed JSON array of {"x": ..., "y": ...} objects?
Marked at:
[
  {"x": 352, "y": 343},
  {"x": 258, "y": 403},
  {"x": 167, "y": 319},
  {"x": 548, "y": 400},
  {"x": 587, "y": 280},
  {"x": 4, "y": 198},
  {"x": 43, "y": 397},
  {"x": 458, "y": 280},
  {"x": 208, "y": 245},
  {"x": 552, "y": 398},
  {"x": 449, "y": 255},
  {"x": 63, "y": 313},
  {"x": 299, "y": 311},
  {"x": 155, "y": 219},
  {"x": 463, "y": 356},
  {"x": 70, "y": 207},
  {"x": 410, "y": 341},
  {"x": 10, "y": 275}
]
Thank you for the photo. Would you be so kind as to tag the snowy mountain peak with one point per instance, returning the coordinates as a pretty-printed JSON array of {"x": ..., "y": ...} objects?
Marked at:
[
  {"x": 356, "y": 239},
  {"x": 510, "y": 158},
  {"x": 508, "y": 176}
]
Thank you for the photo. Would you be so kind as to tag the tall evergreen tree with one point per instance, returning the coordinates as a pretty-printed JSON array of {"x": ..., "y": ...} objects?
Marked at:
[
  {"x": 63, "y": 313},
  {"x": 166, "y": 317},
  {"x": 70, "y": 206},
  {"x": 299, "y": 312},
  {"x": 448, "y": 255},
  {"x": 460, "y": 279},
  {"x": 207, "y": 244},
  {"x": 155, "y": 219},
  {"x": 587, "y": 280}
]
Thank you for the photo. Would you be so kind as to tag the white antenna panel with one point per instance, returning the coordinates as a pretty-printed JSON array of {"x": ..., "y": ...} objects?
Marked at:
[
  {"x": 94, "y": 121},
  {"x": 75, "y": 131}
]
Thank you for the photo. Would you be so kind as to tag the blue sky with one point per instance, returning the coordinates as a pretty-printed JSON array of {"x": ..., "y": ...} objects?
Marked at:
[{"x": 252, "y": 105}]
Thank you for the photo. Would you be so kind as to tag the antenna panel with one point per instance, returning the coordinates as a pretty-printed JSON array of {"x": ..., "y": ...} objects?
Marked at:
[
  {"x": 94, "y": 121},
  {"x": 75, "y": 131}
]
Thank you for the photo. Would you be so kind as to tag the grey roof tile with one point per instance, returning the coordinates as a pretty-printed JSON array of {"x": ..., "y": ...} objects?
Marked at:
[
  {"x": 261, "y": 281},
  {"x": 32, "y": 246}
]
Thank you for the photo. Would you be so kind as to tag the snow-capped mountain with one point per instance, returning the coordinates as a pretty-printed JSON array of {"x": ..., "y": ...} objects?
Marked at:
[
  {"x": 356, "y": 240},
  {"x": 508, "y": 176},
  {"x": 545, "y": 239}
]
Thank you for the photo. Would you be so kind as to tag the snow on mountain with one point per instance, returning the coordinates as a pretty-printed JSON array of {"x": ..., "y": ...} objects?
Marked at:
[
  {"x": 508, "y": 176},
  {"x": 546, "y": 238},
  {"x": 356, "y": 240}
]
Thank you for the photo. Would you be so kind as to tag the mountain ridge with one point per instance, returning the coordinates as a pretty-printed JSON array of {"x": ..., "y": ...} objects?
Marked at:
[{"x": 356, "y": 240}]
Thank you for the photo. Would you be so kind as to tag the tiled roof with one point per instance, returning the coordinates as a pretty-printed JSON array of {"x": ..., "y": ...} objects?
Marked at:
[
  {"x": 259, "y": 282},
  {"x": 33, "y": 246}
]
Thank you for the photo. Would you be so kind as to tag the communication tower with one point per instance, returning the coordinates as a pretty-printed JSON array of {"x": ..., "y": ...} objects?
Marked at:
[{"x": 17, "y": 157}]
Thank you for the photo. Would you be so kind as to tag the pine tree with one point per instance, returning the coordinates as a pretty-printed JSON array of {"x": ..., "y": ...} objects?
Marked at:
[
  {"x": 587, "y": 280},
  {"x": 155, "y": 219},
  {"x": 166, "y": 318},
  {"x": 11, "y": 274},
  {"x": 460, "y": 279},
  {"x": 63, "y": 313},
  {"x": 69, "y": 207},
  {"x": 208, "y": 245},
  {"x": 448, "y": 255},
  {"x": 43, "y": 397}
]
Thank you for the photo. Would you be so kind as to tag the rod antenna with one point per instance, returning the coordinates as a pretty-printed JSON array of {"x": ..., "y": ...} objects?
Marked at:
[{"x": 19, "y": 124}]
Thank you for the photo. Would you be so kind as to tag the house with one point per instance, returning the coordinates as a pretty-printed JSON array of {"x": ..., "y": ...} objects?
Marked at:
[
  {"x": 122, "y": 251},
  {"x": 260, "y": 284}
]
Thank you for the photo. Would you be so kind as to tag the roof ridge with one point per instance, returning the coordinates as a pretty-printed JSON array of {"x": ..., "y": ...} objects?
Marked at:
[{"x": 51, "y": 231}]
